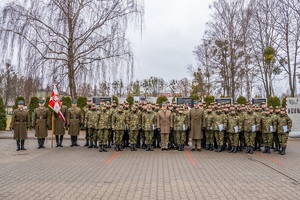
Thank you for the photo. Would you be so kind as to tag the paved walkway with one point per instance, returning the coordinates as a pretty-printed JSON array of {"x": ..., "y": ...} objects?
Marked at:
[{"x": 81, "y": 173}]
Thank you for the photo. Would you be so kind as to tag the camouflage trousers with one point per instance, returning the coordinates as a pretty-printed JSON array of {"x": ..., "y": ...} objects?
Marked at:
[
  {"x": 133, "y": 134},
  {"x": 267, "y": 139},
  {"x": 103, "y": 136},
  {"x": 219, "y": 135},
  {"x": 234, "y": 139},
  {"x": 283, "y": 138},
  {"x": 180, "y": 137},
  {"x": 250, "y": 138},
  {"x": 209, "y": 137},
  {"x": 149, "y": 137},
  {"x": 119, "y": 137},
  {"x": 92, "y": 134}
]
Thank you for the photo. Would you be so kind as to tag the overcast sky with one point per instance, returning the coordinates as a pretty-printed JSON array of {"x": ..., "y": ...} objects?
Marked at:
[{"x": 172, "y": 28}]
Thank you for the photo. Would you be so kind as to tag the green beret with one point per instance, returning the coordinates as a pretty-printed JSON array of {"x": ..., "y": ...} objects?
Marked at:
[
  {"x": 20, "y": 103},
  {"x": 41, "y": 101},
  {"x": 74, "y": 102}
]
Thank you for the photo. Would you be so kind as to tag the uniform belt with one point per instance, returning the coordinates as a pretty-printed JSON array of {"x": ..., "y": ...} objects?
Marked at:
[{"x": 20, "y": 120}]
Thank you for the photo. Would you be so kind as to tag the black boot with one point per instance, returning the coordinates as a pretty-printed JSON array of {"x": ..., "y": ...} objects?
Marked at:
[
  {"x": 57, "y": 140},
  {"x": 86, "y": 142},
  {"x": 207, "y": 147},
  {"x": 232, "y": 149},
  {"x": 61, "y": 138},
  {"x": 100, "y": 147},
  {"x": 75, "y": 141},
  {"x": 211, "y": 147},
  {"x": 120, "y": 147},
  {"x": 247, "y": 149},
  {"x": 235, "y": 149},
  {"x": 91, "y": 144},
  {"x": 258, "y": 147},
  {"x": 150, "y": 147},
  {"x": 219, "y": 148},
  {"x": 147, "y": 147},
  {"x": 23, "y": 145},
  {"x": 266, "y": 149},
  {"x": 117, "y": 147},
  {"x": 251, "y": 150},
  {"x": 108, "y": 146},
  {"x": 95, "y": 144},
  {"x": 72, "y": 141},
  {"x": 104, "y": 148},
  {"x": 43, "y": 143},
  {"x": 18, "y": 145},
  {"x": 279, "y": 151},
  {"x": 134, "y": 147},
  {"x": 269, "y": 150},
  {"x": 283, "y": 151},
  {"x": 131, "y": 147},
  {"x": 39, "y": 143}
]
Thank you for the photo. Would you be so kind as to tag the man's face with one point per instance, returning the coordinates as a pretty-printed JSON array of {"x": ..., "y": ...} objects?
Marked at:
[
  {"x": 41, "y": 105},
  {"x": 74, "y": 105},
  {"x": 89, "y": 103},
  {"x": 20, "y": 106},
  {"x": 164, "y": 107}
]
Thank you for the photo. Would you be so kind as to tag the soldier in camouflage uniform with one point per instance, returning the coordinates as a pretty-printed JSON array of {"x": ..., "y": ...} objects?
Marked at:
[
  {"x": 127, "y": 111},
  {"x": 134, "y": 123},
  {"x": 180, "y": 123},
  {"x": 251, "y": 123},
  {"x": 85, "y": 110},
  {"x": 268, "y": 126},
  {"x": 234, "y": 126},
  {"x": 74, "y": 119},
  {"x": 226, "y": 141},
  {"x": 219, "y": 127},
  {"x": 275, "y": 142},
  {"x": 112, "y": 110},
  {"x": 104, "y": 128},
  {"x": 19, "y": 124},
  {"x": 258, "y": 138},
  {"x": 148, "y": 125},
  {"x": 91, "y": 122},
  {"x": 41, "y": 122},
  {"x": 119, "y": 125},
  {"x": 284, "y": 126},
  {"x": 209, "y": 121}
]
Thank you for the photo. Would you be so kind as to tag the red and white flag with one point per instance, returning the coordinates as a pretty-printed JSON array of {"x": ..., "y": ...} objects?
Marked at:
[{"x": 55, "y": 103}]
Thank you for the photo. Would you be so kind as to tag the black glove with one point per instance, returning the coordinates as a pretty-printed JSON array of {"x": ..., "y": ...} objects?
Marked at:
[
  {"x": 171, "y": 129},
  {"x": 158, "y": 130},
  {"x": 203, "y": 129},
  {"x": 33, "y": 127},
  {"x": 47, "y": 126}
]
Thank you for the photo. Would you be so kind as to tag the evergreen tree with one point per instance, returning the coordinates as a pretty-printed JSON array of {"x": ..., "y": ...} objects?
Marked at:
[
  {"x": 81, "y": 102},
  {"x": 34, "y": 103}
]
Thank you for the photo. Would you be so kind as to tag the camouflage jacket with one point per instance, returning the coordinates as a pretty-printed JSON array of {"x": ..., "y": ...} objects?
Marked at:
[
  {"x": 92, "y": 119},
  {"x": 284, "y": 120},
  {"x": 180, "y": 122},
  {"x": 134, "y": 121},
  {"x": 233, "y": 121},
  {"x": 220, "y": 119},
  {"x": 149, "y": 121},
  {"x": 249, "y": 120},
  {"x": 105, "y": 120},
  {"x": 209, "y": 120},
  {"x": 266, "y": 122},
  {"x": 119, "y": 122}
]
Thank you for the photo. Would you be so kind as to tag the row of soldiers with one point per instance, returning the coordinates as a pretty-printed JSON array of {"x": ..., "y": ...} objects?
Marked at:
[{"x": 234, "y": 127}]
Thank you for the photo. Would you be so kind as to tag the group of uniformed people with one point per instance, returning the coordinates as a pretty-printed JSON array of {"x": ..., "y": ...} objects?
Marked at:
[{"x": 147, "y": 126}]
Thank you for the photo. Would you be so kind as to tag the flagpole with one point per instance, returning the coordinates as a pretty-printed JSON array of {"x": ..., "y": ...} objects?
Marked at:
[{"x": 52, "y": 129}]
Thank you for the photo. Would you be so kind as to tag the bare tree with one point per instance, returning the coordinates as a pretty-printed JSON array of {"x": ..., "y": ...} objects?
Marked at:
[{"x": 68, "y": 37}]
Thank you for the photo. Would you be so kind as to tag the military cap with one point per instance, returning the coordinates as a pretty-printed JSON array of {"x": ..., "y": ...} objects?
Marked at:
[
  {"x": 243, "y": 105},
  {"x": 267, "y": 109},
  {"x": 89, "y": 100},
  {"x": 74, "y": 102},
  {"x": 212, "y": 103},
  {"x": 41, "y": 101},
  {"x": 20, "y": 103},
  {"x": 102, "y": 100},
  {"x": 283, "y": 109},
  {"x": 235, "y": 103},
  {"x": 271, "y": 107},
  {"x": 114, "y": 101},
  {"x": 133, "y": 107},
  {"x": 125, "y": 102},
  {"x": 209, "y": 107},
  {"x": 277, "y": 107},
  {"x": 164, "y": 104},
  {"x": 232, "y": 109},
  {"x": 149, "y": 107},
  {"x": 195, "y": 102},
  {"x": 120, "y": 107},
  {"x": 94, "y": 104}
]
